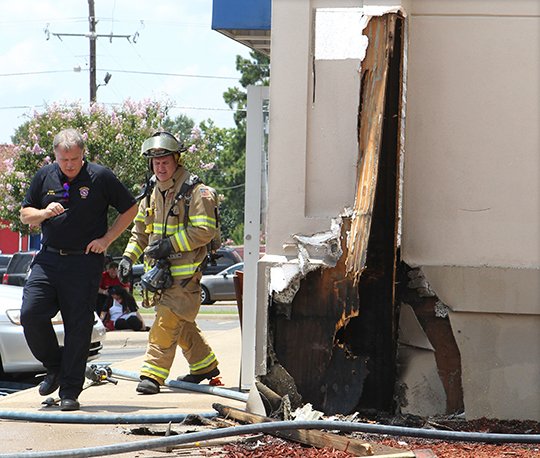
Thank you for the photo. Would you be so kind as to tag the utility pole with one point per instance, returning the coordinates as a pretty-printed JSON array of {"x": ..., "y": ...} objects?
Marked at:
[
  {"x": 92, "y": 36},
  {"x": 92, "y": 29}
]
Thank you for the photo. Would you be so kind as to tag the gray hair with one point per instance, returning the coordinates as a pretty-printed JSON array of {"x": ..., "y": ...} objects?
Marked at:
[{"x": 67, "y": 139}]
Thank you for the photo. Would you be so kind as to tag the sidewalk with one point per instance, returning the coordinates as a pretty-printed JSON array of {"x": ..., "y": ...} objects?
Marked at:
[{"x": 21, "y": 436}]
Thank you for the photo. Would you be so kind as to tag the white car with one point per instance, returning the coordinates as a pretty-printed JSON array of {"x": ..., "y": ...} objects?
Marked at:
[{"x": 15, "y": 356}]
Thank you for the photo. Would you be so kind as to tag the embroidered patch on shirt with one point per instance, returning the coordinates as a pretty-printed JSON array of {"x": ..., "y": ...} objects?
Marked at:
[
  {"x": 84, "y": 191},
  {"x": 205, "y": 192},
  {"x": 51, "y": 192}
]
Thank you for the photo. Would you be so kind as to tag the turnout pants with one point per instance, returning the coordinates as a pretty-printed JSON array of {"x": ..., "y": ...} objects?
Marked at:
[
  {"x": 175, "y": 326},
  {"x": 68, "y": 284}
]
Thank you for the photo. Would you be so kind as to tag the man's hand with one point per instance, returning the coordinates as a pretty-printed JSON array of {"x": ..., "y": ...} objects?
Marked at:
[
  {"x": 124, "y": 269},
  {"x": 97, "y": 246},
  {"x": 159, "y": 249}
]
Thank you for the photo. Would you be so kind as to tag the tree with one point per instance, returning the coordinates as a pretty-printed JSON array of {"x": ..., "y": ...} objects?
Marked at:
[
  {"x": 229, "y": 174},
  {"x": 255, "y": 71},
  {"x": 181, "y": 127}
]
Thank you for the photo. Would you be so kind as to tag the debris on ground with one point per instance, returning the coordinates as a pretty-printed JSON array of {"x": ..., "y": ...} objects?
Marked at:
[
  {"x": 315, "y": 443},
  {"x": 273, "y": 447}
]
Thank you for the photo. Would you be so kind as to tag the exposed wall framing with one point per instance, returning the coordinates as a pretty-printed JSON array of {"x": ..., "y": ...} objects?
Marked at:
[{"x": 336, "y": 338}]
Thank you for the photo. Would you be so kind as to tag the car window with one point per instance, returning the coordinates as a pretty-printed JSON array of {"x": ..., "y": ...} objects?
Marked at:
[
  {"x": 20, "y": 263},
  {"x": 4, "y": 260},
  {"x": 233, "y": 269}
]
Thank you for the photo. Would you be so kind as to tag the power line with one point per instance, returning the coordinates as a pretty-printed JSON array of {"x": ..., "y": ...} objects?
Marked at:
[
  {"x": 176, "y": 107},
  {"x": 185, "y": 75},
  {"x": 36, "y": 72}
]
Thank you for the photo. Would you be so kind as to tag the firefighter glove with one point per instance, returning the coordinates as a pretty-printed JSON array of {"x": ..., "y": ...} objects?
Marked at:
[
  {"x": 160, "y": 249},
  {"x": 124, "y": 269}
]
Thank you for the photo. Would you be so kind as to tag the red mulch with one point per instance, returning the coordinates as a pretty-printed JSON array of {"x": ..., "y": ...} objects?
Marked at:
[
  {"x": 266, "y": 446},
  {"x": 273, "y": 447}
]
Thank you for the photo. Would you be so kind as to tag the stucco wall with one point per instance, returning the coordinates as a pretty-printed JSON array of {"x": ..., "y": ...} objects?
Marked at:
[
  {"x": 471, "y": 204},
  {"x": 472, "y": 164}
]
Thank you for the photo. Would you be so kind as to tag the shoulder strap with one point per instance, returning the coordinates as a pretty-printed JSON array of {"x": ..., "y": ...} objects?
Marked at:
[
  {"x": 187, "y": 187},
  {"x": 189, "y": 184},
  {"x": 185, "y": 193},
  {"x": 147, "y": 188}
]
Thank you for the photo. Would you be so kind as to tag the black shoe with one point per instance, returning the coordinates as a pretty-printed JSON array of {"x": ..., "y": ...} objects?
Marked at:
[
  {"x": 69, "y": 404},
  {"x": 198, "y": 378},
  {"x": 49, "y": 385},
  {"x": 148, "y": 386}
]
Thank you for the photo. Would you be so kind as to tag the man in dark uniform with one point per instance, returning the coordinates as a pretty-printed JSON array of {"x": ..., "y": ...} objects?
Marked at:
[{"x": 70, "y": 199}]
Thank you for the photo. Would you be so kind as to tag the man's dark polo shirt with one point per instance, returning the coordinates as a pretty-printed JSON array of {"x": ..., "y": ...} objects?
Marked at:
[{"x": 90, "y": 194}]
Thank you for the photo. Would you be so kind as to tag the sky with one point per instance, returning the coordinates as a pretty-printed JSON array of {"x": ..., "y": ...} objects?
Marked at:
[{"x": 172, "y": 54}]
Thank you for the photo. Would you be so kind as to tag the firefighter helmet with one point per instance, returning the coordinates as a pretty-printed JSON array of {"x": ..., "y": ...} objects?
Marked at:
[{"x": 161, "y": 144}]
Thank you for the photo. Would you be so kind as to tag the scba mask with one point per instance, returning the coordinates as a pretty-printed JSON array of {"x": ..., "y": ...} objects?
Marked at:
[{"x": 158, "y": 277}]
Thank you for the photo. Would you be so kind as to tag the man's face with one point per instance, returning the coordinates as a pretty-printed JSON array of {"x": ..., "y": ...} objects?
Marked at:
[
  {"x": 113, "y": 272},
  {"x": 70, "y": 161},
  {"x": 164, "y": 167}
]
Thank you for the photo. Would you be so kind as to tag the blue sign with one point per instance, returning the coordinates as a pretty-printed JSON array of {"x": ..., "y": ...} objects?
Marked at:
[{"x": 241, "y": 14}]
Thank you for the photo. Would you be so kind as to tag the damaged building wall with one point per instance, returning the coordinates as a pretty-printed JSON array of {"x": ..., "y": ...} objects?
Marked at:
[
  {"x": 471, "y": 194},
  {"x": 471, "y": 211},
  {"x": 331, "y": 367}
]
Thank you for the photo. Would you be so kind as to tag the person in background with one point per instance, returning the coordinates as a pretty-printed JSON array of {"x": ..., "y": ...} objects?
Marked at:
[
  {"x": 70, "y": 199},
  {"x": 123, "y": 311},
  {"x": 109, "y": 278}
]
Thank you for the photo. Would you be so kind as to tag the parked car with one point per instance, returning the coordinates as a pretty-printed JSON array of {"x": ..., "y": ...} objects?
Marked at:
[
  {"x": 4, "y": 261},
  {"x": 219, "y": 287},
  {"x": 15, "y": 356},
  {"x": 225, "y": 257},
  {"x": 18, "y": 268}
]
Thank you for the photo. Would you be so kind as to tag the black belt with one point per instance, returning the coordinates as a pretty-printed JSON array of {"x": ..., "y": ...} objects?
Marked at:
[{"x": 63, "y": 252}]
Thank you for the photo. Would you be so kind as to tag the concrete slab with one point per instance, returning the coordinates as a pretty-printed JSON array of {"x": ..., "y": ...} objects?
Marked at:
[{"x": 23, "y": 436}]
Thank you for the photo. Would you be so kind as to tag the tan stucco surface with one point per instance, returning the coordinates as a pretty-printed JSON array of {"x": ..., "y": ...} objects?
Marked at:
[
  {"x": 499, "y": 360},
  {"x": 472, "y": 160}
]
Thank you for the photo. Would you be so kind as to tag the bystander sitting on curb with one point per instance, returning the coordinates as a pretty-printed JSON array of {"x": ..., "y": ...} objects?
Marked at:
[{"x": 122, "y": 313}]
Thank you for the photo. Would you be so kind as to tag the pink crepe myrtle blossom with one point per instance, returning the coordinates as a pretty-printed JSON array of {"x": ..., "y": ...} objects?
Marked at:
[{"x": 208, "y": 166}]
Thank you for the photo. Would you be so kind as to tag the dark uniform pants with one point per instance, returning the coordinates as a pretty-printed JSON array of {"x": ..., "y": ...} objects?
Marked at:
[{"x": 68, "y": 284}]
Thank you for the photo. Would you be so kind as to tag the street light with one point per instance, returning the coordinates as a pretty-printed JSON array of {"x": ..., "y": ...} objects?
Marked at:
[{"x": 106, "y": 80}]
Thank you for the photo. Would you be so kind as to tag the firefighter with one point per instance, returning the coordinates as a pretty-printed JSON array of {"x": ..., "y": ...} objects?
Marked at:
[{"x": 162, "y": 233}]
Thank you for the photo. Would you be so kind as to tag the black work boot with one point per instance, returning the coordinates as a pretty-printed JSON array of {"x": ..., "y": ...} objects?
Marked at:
[
  {"x": 68, "y": 404},
  {"x": 148, "y": 385},
  {"x": 198, "y": 378},
  {"x": 49, "y": 384}
]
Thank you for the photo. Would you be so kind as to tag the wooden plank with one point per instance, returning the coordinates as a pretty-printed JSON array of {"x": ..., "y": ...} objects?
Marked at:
[
  {"x": 311, "y": 437},
  {"x": 374, "y": 76}
]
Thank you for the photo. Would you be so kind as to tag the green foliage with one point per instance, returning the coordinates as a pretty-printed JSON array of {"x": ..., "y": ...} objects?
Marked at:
[
  {"x": 181, "y": 127},
  {"x": 227, "y": 175},
  {"x": 230, "y": 165},
  {"x": 113, "y": 138},
  {"x": 254, "y": 71}
]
